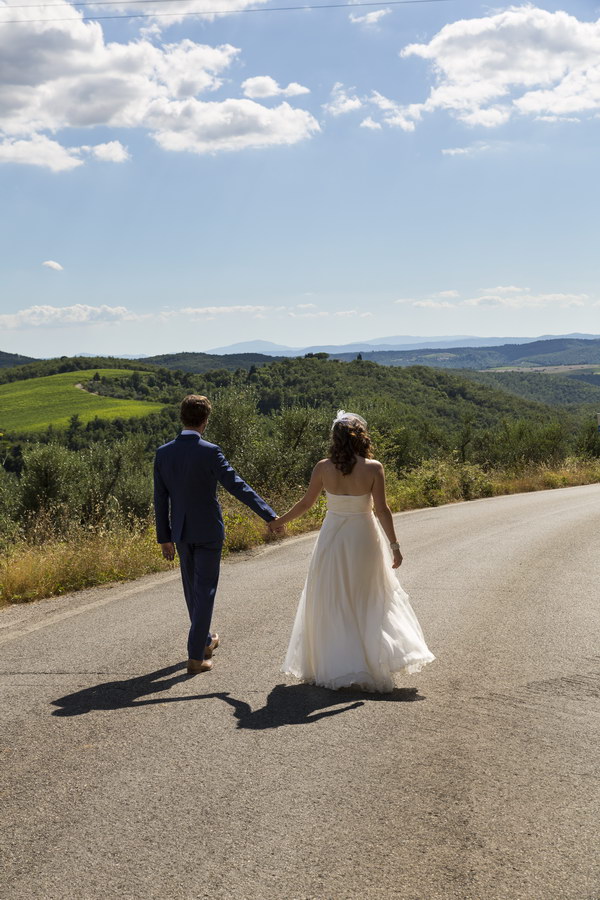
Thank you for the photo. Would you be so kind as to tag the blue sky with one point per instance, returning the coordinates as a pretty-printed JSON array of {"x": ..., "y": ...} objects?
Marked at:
[{"x": 301, "y": 177}]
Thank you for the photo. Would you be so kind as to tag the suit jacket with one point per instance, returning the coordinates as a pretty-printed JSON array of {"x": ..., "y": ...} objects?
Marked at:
[{"x": 186, "y": 473}]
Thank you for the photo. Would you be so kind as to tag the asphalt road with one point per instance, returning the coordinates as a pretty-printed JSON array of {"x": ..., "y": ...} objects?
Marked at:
[{"x": 123, "y": 778}]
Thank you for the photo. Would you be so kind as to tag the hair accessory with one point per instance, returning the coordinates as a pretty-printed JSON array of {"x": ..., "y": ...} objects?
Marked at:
[{"x": 342, "y": 416}]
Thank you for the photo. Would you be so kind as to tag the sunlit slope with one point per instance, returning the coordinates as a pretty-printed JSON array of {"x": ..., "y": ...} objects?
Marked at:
[{"x": 34, "y": 404}]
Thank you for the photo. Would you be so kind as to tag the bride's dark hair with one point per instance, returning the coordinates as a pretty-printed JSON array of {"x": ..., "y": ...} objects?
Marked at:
[{"x": 349, "y": 439}]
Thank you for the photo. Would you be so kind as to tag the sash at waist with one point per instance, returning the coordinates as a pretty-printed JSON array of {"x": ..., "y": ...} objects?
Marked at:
[{"x": 345, "y": 515}]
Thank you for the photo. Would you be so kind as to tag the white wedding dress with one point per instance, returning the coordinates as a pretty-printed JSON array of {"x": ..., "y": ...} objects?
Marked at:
[{"x": 354, "y": 624}]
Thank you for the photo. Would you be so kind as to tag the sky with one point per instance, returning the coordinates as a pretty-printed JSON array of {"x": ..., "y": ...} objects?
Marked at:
[{"x": 184, "y": 181}]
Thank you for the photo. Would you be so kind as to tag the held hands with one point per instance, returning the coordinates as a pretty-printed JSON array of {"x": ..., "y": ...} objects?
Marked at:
[
  {"x": 275, "y": 528},
  {"x": 168, "y": 550}
]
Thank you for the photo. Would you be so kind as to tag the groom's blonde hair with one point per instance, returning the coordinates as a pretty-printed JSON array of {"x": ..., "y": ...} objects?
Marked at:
[{"x": 195, "y": 410}]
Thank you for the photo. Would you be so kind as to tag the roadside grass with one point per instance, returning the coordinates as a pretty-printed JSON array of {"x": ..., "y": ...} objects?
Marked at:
[
  {"x": 36, "y": 403},
  {"x": 30, "y": 572}
]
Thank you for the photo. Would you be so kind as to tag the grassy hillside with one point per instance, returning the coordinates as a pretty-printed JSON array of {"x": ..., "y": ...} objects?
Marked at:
[
  {"x": 562, "y": 351},
  {"x": 14, "y": 359},
  {"x": 34, "y": 404}
]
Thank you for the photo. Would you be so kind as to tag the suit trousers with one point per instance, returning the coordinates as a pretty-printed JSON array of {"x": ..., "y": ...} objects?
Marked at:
[{"x": 200, "y": 564}]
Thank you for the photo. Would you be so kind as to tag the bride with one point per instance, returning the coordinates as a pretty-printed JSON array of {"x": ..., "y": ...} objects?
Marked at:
[{"x": 354, "y": 624}]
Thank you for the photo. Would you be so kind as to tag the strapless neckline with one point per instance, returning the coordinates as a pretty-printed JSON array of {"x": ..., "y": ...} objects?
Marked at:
[{"x": 367, "y": 494}]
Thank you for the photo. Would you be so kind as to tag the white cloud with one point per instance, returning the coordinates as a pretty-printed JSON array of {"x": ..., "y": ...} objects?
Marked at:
[
  {"x": 56, "y": 316},
  {"x": 472, "y": 150},
  {"x": 184, "y": 9},
  {"x": 325, "y": 314},
  {"x": 262, "y": 86},
  {"x": 202, "y": 127},
  {"x": 508, "y": 296},
  {"x": 558, "y": 119},
  {"x": 341, "y": 101},
  {"x": 63, "y": 74},
  {"x": 394, "y": 114},
  {"x": 523, "y": 60},
  {"x": 371, "y": 18},
  {"x": 212, "y": 312},
  {"x": 46, "y": 316},
  {"x": 52, "y": 264},
  {"x": 39, "y": 151},
  {"x": 433, "y": 304},
  {"x": 113, "y": 151},
  {"x": 370, "y": 123},
  {"x": 507, "y": 289},
  {"x": 523, "y": 300}
]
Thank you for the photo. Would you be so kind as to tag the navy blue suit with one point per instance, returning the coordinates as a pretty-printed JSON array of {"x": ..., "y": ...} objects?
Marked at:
[{"x": 186, "y": 473}]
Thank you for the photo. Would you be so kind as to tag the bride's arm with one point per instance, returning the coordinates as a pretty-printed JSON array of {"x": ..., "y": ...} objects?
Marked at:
[
  {"x": 384, "y": 513},
  {"x": 314, "y": 489}
]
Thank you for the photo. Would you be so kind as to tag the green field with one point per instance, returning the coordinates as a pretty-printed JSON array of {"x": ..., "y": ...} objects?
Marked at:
[{"x": 34, "y": 404}]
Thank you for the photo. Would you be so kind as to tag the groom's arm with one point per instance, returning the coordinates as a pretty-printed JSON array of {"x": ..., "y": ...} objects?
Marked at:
[
  {"x": 161, "y": 507},
  {"x": 231, "y": 481}
]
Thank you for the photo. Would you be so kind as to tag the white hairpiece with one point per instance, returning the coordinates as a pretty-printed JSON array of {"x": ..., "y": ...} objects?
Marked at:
[{"x": 342, "y": 416}]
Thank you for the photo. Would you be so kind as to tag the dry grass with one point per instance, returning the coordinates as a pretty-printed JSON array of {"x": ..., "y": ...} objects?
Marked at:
[{"x": 30, "y": 572}]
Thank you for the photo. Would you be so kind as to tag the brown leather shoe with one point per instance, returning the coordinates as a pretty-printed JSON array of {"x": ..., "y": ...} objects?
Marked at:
[
  {"x": 195, "y": 666},
  {"x": 208, "y": 652}
]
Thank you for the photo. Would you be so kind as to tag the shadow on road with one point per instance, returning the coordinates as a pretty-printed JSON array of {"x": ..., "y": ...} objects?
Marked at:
[
  {"x": 297, "y": 704},
  {"x": 121, "y": 694}
]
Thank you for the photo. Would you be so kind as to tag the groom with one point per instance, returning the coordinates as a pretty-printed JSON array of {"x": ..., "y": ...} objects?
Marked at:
[{"x": 188, "y": 516}]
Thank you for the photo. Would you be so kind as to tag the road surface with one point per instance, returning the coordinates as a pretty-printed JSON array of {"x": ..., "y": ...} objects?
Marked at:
[{"x": 123, "y": 778}]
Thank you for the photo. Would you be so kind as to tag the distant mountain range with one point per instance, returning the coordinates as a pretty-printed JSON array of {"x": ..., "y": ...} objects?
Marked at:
[
  {"x": 441, "y": 353},
  {"x": 398, "y": 342}
]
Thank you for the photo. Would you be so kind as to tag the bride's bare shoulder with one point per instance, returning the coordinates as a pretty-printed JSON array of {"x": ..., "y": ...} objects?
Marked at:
[{"x": 374, "y": 463}]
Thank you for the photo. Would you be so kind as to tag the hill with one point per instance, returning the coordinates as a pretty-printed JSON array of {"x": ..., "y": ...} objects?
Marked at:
[
  {"x": 204, "y": 362},
  {"x": 554, "y": 390},
  {"x": 558, "y": 351},
  {"x": 14, "y": 359},
  {"x": 32, "y": 405},
  {"x": 415, "y": 394}
]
